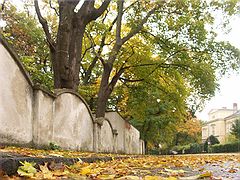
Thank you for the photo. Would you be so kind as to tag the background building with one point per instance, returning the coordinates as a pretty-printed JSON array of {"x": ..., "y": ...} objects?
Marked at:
[{"x": 220, "y": 123}]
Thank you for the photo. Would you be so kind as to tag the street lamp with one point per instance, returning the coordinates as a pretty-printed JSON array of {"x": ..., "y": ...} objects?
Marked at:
[{"x": 209, "y": 144}]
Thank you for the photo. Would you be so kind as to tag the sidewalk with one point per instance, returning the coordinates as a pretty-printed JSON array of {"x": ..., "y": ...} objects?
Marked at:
[
  {"x": 10, "y": 161},
  {"x": 116, "y": 166}
]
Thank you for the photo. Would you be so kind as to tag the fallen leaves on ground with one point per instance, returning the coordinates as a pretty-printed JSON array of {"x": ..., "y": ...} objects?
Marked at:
[
  {"x": 30, "y": 152},
  {"x": 133, "y": 168},
  {"x": 142, "y": 168}
]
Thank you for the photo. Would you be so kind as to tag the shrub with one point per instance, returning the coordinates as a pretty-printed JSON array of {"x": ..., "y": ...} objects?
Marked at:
[
  {"x": 189, "y": 149},
  {"x": 229, "y": 147},
  {"x": 54, "y": 146},
  {"x": 236, "y": 129},
  {"x": 213, "y": 140}
]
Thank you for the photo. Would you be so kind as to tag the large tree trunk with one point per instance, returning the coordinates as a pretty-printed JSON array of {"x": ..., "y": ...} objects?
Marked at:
[
  {"x": 107, "y": 87},
  {"x": 104, "y": 92},
  {"x": 68, "y": 47},
  {"x": 66, "y": 52}
]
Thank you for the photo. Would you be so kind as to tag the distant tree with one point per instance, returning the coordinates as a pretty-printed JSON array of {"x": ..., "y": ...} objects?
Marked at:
[
  {"x": 188, "y": 131},
  {"x": 211, "y": 140},
  {"x": 236, "y": 129},
  {"x": 26, "y": 37}
]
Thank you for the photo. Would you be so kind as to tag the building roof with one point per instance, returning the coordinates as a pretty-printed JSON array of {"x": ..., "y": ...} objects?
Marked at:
[
  {"x": 221, "y": 109},
  {"x": 214, "y": 120},
  {"x": 236, "y": 114}
]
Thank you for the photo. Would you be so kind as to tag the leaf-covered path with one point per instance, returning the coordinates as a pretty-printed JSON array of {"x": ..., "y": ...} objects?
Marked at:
[{"x": 213, "y": 166}]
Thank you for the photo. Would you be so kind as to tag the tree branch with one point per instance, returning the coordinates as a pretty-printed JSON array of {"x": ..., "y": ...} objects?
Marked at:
[
  {"x": 86, "y": 50},
  {"x": 131, "y": 80},
  {"x": 50, "y": 3},
  {"x": 115, "y": 79},
  {"x": 99, "y": 51},
  {"x": 105, "y": 16},
  {"x": 140, "y": 25},
  {"x": 44, "y": 26},
  {"x": 119, "y": 21},
  {"x": 98, "y": 12},
  {"x": 3, "y": 5}
]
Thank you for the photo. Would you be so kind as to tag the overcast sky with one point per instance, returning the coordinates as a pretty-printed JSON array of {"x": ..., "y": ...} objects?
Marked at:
[{"x": 229, "y": 92}]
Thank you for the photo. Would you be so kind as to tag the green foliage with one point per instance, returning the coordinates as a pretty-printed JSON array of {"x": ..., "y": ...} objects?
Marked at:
[
  {"x": 211, "y": 140},
  {"x": 27, "y": 169},
  {"x": 54, "y": 146},
  {"x": 224, "y": 148},
  {"x": 192, "y": 148},
  {"x": 231, "y": 138},
  {"x": 236, "y": 129},
  {"x": 27, "y": 38}
]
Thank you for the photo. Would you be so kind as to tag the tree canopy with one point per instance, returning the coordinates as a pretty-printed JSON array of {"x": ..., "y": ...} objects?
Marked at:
[{"x": 236, "y": 129}]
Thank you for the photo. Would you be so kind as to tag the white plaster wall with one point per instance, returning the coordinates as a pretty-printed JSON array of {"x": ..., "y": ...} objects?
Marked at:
[
  {"x": 141, "y": 147},
  {"x": 128, "y": 138},
  {"x": 132, "y": 137},
  {"x": 220, "y": 131},
  {"x": 72, "y": 123},
  {"x": 135, "y": 140},
  {"x": 43, "y": 118},
  {"x": 15, "y": 102},
  {"x": 106, "y": 138},
  {"x": 118, "y": 123},
  {"x": 205, "y": 132}
]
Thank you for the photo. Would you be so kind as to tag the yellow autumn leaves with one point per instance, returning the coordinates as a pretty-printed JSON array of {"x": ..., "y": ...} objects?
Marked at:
[
  {"x": 141, "y": 168},
  {"x": 181, "y": 167}
]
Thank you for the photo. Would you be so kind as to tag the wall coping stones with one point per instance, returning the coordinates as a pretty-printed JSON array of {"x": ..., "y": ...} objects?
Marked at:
[{"x": 39, "y": 87}]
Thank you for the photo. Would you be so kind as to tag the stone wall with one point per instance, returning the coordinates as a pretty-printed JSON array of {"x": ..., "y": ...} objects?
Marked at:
[
  {"x": 128, "y": 138},
  {"x": 30, "y": 115},
  {"x": 16, "y": 100}
]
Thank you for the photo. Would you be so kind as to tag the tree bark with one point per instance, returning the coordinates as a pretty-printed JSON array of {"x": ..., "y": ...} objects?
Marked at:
[
  {"x": 66, "y": 52},
  {"x": 106, "y": 88},
  {"x": 104, "y": 92},
  {"x": 68, "y": 47}
]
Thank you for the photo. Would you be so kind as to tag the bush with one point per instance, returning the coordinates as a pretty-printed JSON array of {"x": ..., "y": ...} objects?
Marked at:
[
  {"x": 236, "y": 129},
  {"x": 153, "y": 151},
  {"x": 189, "y": 149},
  {"x": 213, "y": 140},
  {"x": 229, "y": 147},
  {"x": 54, "y": 146}
]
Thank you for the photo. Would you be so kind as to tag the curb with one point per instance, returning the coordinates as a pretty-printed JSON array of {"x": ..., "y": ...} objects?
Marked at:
[{"x": 10, "y": 165}]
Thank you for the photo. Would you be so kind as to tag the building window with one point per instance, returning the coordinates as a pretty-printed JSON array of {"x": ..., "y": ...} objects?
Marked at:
[
  {"x": 213, "y": 129},
  {"x": 204, "y": 132}
]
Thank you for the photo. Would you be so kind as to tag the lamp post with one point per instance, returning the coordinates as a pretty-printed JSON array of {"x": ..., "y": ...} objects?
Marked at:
[
  {"x": 160, "y": 148},
  {"x": 209, "y": 146}
]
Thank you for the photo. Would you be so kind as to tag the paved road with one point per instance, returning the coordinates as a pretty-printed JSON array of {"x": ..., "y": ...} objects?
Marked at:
[{"x": 225, "y": 170}]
